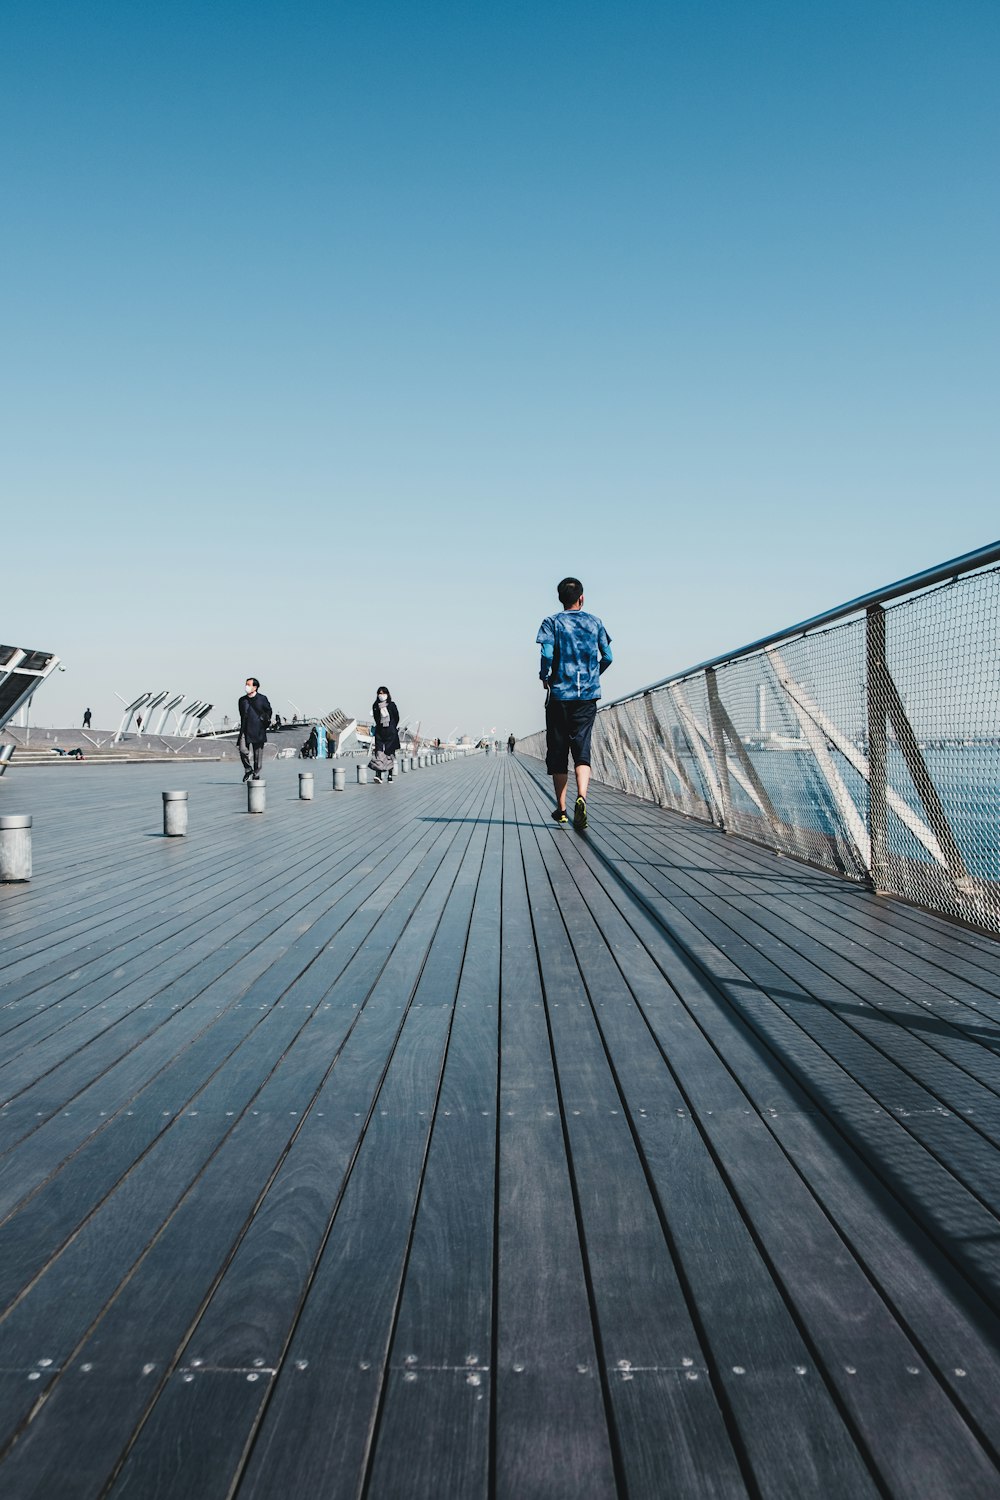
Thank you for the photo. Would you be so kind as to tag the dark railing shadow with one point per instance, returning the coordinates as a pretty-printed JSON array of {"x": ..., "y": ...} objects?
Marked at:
[{"x": 911, "y": 1189}]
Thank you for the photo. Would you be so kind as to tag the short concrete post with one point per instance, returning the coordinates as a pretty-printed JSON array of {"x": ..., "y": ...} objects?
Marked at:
[
  {"x": 15, "y": 846},
  {"x": 175, "y": 814},
  {"x": 256, "y": 797},
  {"x": 305, "y": 786},
  {"x": 339, "y": 778},
  {"x": 362, "y": 776}
]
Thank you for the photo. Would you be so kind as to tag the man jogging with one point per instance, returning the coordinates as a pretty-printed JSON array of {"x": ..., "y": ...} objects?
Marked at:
[{"x": 576, "y": 649}]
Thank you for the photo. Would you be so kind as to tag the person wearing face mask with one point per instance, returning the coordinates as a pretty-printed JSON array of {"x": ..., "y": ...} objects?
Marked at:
[
  {"x": 385, "y": 729},
  {"x": 255, "y": 716}
]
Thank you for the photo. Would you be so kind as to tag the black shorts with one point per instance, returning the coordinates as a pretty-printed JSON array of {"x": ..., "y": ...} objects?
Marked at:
[{"x": 568, "y": 726}]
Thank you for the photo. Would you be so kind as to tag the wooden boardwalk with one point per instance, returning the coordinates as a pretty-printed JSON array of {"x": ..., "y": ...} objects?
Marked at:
[{"x": 402, "y": 1144}]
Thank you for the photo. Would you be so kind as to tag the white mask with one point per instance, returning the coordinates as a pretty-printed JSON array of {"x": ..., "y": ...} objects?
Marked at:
[{"x": 382, "y": 697}]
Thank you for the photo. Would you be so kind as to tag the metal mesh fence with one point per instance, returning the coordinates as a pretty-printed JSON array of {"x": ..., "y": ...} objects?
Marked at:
[{"x": 870, "y": 747}]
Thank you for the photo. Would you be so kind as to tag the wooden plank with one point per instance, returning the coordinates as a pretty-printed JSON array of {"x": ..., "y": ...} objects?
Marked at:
[
  {"x": 433, "y": 1434},
  {"x": 755, "y": 1360},
  {"x": 868, "y": 993},
  {"x": 33, "y": 1103},
  {"x": 552, "y": 1432},
  {"x": 924, "y": 1095},
  {"x": 922, "y": 1283},
  {"x": 666, "y": 1412},
  {"x": 159, "y": 1301},
  {"x": 734, "y": 963},
  {"x": 499, "y": 1213},
  {"x": 248, "y": 1322},
  {"x": 342, "y": 1337}
]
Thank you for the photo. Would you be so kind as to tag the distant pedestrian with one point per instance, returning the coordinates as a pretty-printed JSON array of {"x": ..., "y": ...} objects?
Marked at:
[
  {"x": 255, "y": 716},
  {"x": 138, "y": 723},
  {"x": 385, "y": 734},
  {"x": 86, "y": 718},
  {"x": 511, "y": 742},
  {"x": 576, "y": 649}
]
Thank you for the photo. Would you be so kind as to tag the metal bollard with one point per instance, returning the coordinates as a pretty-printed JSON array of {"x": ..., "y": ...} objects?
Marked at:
[
  {"x": 175, "y": 814},
  {"x": 305, "y": 786},
  {"x": 362, "y": 776},
  {"x": 404, "y": 764},
  {"x": 256, "y": 797},
  {"x": 15, "y": 846},
  {"x": 339, "y": 778}
]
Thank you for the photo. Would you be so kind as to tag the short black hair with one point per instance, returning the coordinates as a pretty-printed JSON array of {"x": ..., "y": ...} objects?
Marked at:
[
  {"x": 254, "y": 681},
  {"x": 569, "y": 591}
]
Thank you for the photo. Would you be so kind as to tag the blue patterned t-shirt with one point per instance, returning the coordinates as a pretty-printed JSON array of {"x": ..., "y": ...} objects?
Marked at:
[{"x": 576, "y": 649}]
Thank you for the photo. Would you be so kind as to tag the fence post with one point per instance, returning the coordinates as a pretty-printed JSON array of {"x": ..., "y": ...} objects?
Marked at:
[
  {"x": 15, "y": 846},
  {"x": 878, "y": 771},
  {"x": 175, "y": 814}
]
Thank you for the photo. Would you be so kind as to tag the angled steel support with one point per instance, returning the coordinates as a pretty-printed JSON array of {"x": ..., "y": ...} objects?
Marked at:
[
  {"x": 818, "y": 737},
  {"x": 860, "y": 762},
  {"x": 130, "y": 710},
  {"x": 19, "y": 682},
  {"x": 884, "y": 698},
  {"x": 168, "y": 709},
  {"x": 718, "y": 740},
  {"x": 672, "y": 762},
  {"x": 723, "y": 726},
  {"x": 697, "y": 738}
]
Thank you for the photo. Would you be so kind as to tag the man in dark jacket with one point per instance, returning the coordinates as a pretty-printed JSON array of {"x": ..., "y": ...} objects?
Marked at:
[{"x": 255, "y": 716}]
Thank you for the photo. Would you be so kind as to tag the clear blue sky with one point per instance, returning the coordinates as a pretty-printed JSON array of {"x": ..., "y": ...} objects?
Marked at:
[{"x": 334, "y": 334}]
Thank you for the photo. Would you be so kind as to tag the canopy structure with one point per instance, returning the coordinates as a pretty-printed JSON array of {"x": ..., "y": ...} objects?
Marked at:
[
  {"x": 339, "y": 729},
  {"x": 22, "y": 670}
]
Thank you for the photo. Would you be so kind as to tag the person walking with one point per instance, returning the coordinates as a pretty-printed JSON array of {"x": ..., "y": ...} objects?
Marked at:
[
  {"x": 86, "y": 718},
  {"x": 255, "y": 716},
  {"x": 576, "y": 650},
  {"x": 385, "y": 730},
  {"x": 511, "y": 742}
]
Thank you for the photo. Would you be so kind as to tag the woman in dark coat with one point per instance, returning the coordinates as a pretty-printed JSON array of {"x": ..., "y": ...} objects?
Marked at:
[{"x": 385, "y": 726}]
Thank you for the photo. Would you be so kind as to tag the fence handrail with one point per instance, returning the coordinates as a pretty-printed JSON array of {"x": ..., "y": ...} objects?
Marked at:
[{"x": 981, "y": 558}]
